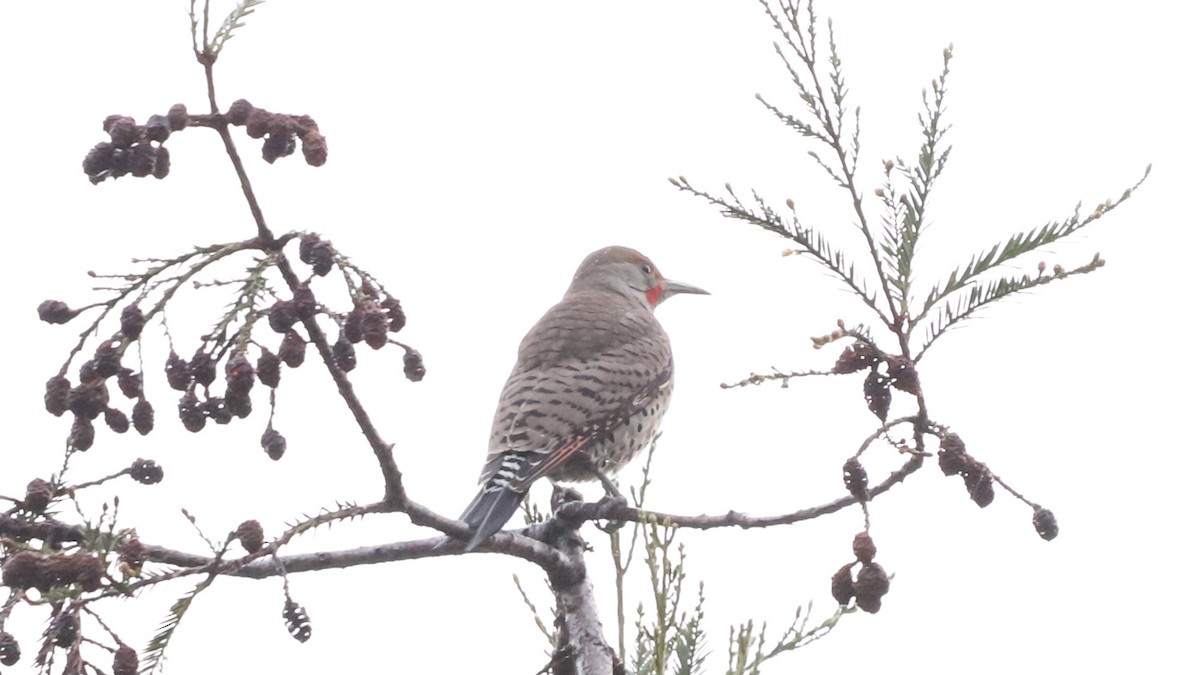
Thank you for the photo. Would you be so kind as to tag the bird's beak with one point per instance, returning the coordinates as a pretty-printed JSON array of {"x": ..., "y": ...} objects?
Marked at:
[{"x": 675, "y": 287}]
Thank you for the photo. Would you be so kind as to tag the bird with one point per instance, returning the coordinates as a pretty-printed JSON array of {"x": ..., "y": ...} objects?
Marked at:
[{"x": 591, "y": 383}]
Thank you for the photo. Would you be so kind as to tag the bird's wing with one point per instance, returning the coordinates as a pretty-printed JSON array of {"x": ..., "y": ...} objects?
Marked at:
[{"x": 547, "y": 417}]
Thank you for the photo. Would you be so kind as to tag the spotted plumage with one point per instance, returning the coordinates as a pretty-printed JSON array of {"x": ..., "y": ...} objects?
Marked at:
[{"x": 591, "y": 384}]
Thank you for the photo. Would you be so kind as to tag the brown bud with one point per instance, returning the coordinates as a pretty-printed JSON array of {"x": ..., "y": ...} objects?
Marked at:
[
  {"x": 55, "y": 311},
  {"x": 343, "y": 354},
  {"x": 179, "y": 376},
  {"x": 125, "y": 661},
  {"x": 291, "y": 350},
  {"x": 864, "y": 547},
  {"x": 145, "y": 471},
  {"x": 250, "y": 535},
  {"x": 855, "y": 478},
  {"x": 55, "y": 398},
  {"x": 298, "y": 624},
  {"x": 10, "y": 650},
  {"x": 38, "y": 494},
  {"x": 116, "y": 420},
  {"x": 83, "y": 434},
  {"x": 414, "y": 365},
  {"x": 268, "y": 368},
  {"x": 1045, "y": 523},
  {"x": 273, "y": 443},
  {"x": 190, "y": 412},
  {"x": 870, "y": 587},
  {"x": 877, "y": 394},
  {"x": 143, "y": 417},
  {"x": 843, "y": 585}
]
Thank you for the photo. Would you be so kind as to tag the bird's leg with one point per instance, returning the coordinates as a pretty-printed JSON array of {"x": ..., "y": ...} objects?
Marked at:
[{"x": 609, "y": 487}]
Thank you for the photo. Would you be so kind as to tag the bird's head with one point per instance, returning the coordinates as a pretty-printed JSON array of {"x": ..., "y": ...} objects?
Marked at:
[{"x": 625, "y": 271}]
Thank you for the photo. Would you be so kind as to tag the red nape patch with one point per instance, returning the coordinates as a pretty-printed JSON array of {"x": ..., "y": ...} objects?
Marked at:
[{"x": 653, "y": 295}]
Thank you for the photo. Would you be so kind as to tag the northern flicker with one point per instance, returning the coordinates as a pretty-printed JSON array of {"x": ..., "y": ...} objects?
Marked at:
[{"x": 592, "y": 381}]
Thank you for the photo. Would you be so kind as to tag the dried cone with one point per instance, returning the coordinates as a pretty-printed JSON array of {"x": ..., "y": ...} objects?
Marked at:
[
  {"x": 281, "y": 316},
  {"x": 116, "y": 420},
  {"x": 877, "y": 394},
  {"x": 250, "y": 535},
  {"x": 343, "y": 354},
  {"x": 239, "y": 374},
  {"x": 305, "y": 302},
  {"x": 297, "y": 621},
  {"x": 375, "y": 328},
  {"x": 268, "y": 368},
  {"x": 55, "y": 311},
  {"x": 10, "y": 650},
  {"x": 38, "y": 494},
  {"x": 57, "y": 389},
  {"x": 273, "y": 443},
  {"x": 843, "y": 585},
  {"x": 238, "y": 404},
  {"x": 106, "y": 362},
  {"x": 88, "y": 400},
  {"x": 395, "y": 314},
  {"x": 130, "y": 383},
  {"x": 316, "y": 252},
  {"x": 291, "y": 350},
  {"x": 179, "y": 377},
  {"x": 414, "y": 365},
  {"x": 125, "y": 661},
  {"x": 203, "y": 367},
  {"x": 132, "y": 322},
  {"x": 146, "y": 471},
  {"x": 1045, "y": 523},
  {"x": 352, "y": 325},
  {"x": 190, "y": 412},
  {"x": 952, "y": 454},
  {"x": 65, "y": 629},
  {"x": 904, "y": 375},
  {"x": 217, "y": 411},
  {"x": 855, "y": 478},
  {"x": 864, "y": 547},
  {"x": 83, "y": 434},
  {"x": 143, "y": 417},
  {"x": 132, "y": 554},
  {"x": 979, "y": 486},
  {"x": 855, "y": 357},
  {"x": 870, "y": 587}
]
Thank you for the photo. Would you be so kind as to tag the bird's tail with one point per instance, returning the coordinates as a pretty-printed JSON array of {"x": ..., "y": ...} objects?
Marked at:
[{"x": 489, "y": 512}]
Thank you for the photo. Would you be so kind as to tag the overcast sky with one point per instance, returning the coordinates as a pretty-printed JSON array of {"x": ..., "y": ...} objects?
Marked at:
[{"x": 479, "y": 150}]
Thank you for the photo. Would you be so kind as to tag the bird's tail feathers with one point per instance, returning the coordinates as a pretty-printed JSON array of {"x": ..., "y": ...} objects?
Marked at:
[{"x": 490, "y": 511}]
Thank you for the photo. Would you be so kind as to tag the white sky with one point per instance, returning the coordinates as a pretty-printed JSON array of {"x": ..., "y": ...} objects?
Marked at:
[{"x": 479, "y": 150}]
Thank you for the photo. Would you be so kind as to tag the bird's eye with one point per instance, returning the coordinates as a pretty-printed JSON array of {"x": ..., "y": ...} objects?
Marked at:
[{"x": 646, "y": 269}]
